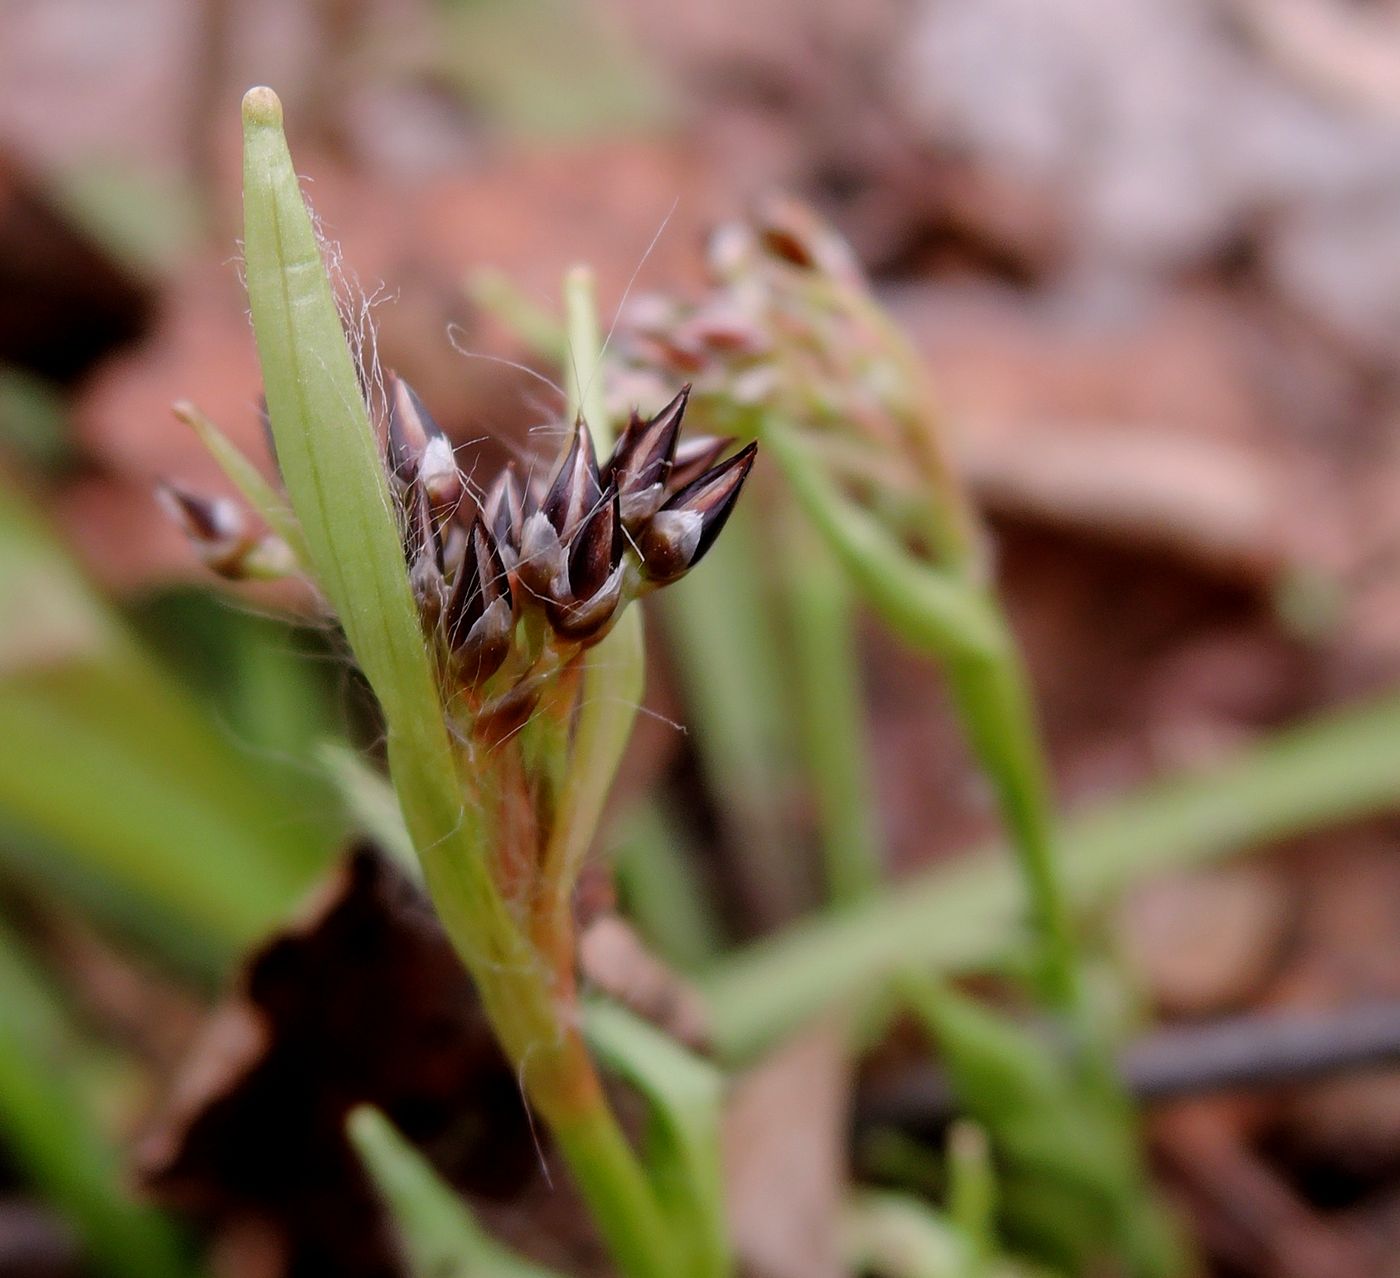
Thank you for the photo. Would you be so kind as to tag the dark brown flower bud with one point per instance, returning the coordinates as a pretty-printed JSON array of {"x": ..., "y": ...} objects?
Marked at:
[
  {"x": 420, "y": 535},
  {"x": 477, "y": 619},
  {"x": 418, "y": 448},
  {"x": 641, "y": 463},
  {"x": 216, "y": 527},
  {"x": 504, "y": 513},
  {"x": 543, "y": 566},
  {"x": 423, "y": 553},
  {"x": 694, "y": 457},
  {"x": 676, "y": 538},
  {"x": 595, "y": 573},
  {"x": 576, "y": 486}
]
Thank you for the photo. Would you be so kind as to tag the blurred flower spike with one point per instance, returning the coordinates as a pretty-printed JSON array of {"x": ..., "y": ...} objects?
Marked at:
[{"x": 789, "y": 335}]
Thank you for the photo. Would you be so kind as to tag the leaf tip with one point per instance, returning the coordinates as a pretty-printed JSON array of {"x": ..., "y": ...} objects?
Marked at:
[{"x": 262, "y": 107}]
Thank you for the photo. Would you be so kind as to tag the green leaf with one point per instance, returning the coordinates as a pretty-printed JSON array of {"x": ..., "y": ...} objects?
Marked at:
[
  {"x": 683, "y": 1093},
  {"x": 1058, "y": 1137},
  {"x": 50, "y": 1129},
  {"x": 656, "y": 871},
  {"x": 335, "y": 477},
  {"x": 326, "y": 447},
  {"x": 440, "y": 1236},
  {"x": 109, "y": 762}
]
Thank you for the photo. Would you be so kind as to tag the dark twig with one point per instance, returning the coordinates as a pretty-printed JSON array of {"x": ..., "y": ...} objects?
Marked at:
[{"x": 1237, "y": 1052}]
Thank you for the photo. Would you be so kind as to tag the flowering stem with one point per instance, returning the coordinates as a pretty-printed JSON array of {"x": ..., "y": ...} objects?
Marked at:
[
  {"x": 995, "y": 706},
  {"x": 335, "y": 478},
  {"x": 615, "y": 671},
  {"x": 949, "y": 615}
]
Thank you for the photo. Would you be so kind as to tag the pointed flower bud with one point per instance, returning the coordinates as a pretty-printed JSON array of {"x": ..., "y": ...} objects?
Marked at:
[
  {"x": 543, "y": 564},
  {"x": 576, "y": 487},
  {"x": 423, "y": 552},
  {"x": 679, "y": 534},
  {"x": 215, "y": 526},
  {"x": 641, "y": 463},
  {"x": 478, "y": 618},
  {"x": 438, "y": 475},
  {"x": 595, "y": 573},
  {"x": 694, "y": 457},
  {"x": 504, "y": 513},
  {"x": 418, "y": 448}
]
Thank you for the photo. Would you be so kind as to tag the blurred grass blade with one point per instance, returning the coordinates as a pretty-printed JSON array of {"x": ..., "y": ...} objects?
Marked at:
[
  {"x": 1338, "y": 767},
  {"x": 972, "y": 1187},
  {"x": 896, "y": 1235},
  {"x": 52, "y": 1133},
  {"x": 929, "y": 609},
  {"x": 440, "y": 1236},
  {"x": 1069, "y": 1161},
  {"x": 683, "y": 1151},
  {"x": 371, "y": 801},
  {"x": 499, "y": 295},
  {"x": 832, "y": 715},
  {"x": 107, "y": 760},
  {"x": 719, "y": 627},
  {"x": 655, "y": 868}
]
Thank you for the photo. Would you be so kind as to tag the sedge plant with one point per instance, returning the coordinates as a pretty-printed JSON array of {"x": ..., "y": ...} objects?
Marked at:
[{"x": 495, "y": 630}]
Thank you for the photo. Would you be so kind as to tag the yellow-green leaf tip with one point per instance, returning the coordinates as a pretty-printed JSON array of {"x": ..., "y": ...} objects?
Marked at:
[{"x": 262, "y": 106}]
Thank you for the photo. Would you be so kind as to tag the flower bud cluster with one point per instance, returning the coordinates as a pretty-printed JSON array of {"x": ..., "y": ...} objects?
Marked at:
[
  {"x": 513, "y": 584},
  {"x": 570, "y": 553}
]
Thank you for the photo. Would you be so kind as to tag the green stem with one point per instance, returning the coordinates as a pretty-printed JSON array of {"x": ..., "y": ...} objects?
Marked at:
[
  {"x": 995, "y": 706},
  {"x": 827, "y": 674},
  {"x": 584, "y": 374},
  {"x": 615, "y": 671},
  {"x": 619, "y": 1195},
  {"x": 47, "y": 1081}
]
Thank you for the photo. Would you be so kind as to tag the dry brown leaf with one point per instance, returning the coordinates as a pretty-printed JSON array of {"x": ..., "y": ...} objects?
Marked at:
[
  {"x": 1206, "y": 942},
  {"x": 363, "y": 1000},
  {"x": 613, "y": 958},
  {"x": 785, "y": 1158}
]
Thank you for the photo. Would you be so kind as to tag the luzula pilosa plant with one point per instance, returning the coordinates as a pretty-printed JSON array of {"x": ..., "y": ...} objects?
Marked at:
[{"x": 497, "y": 635}]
